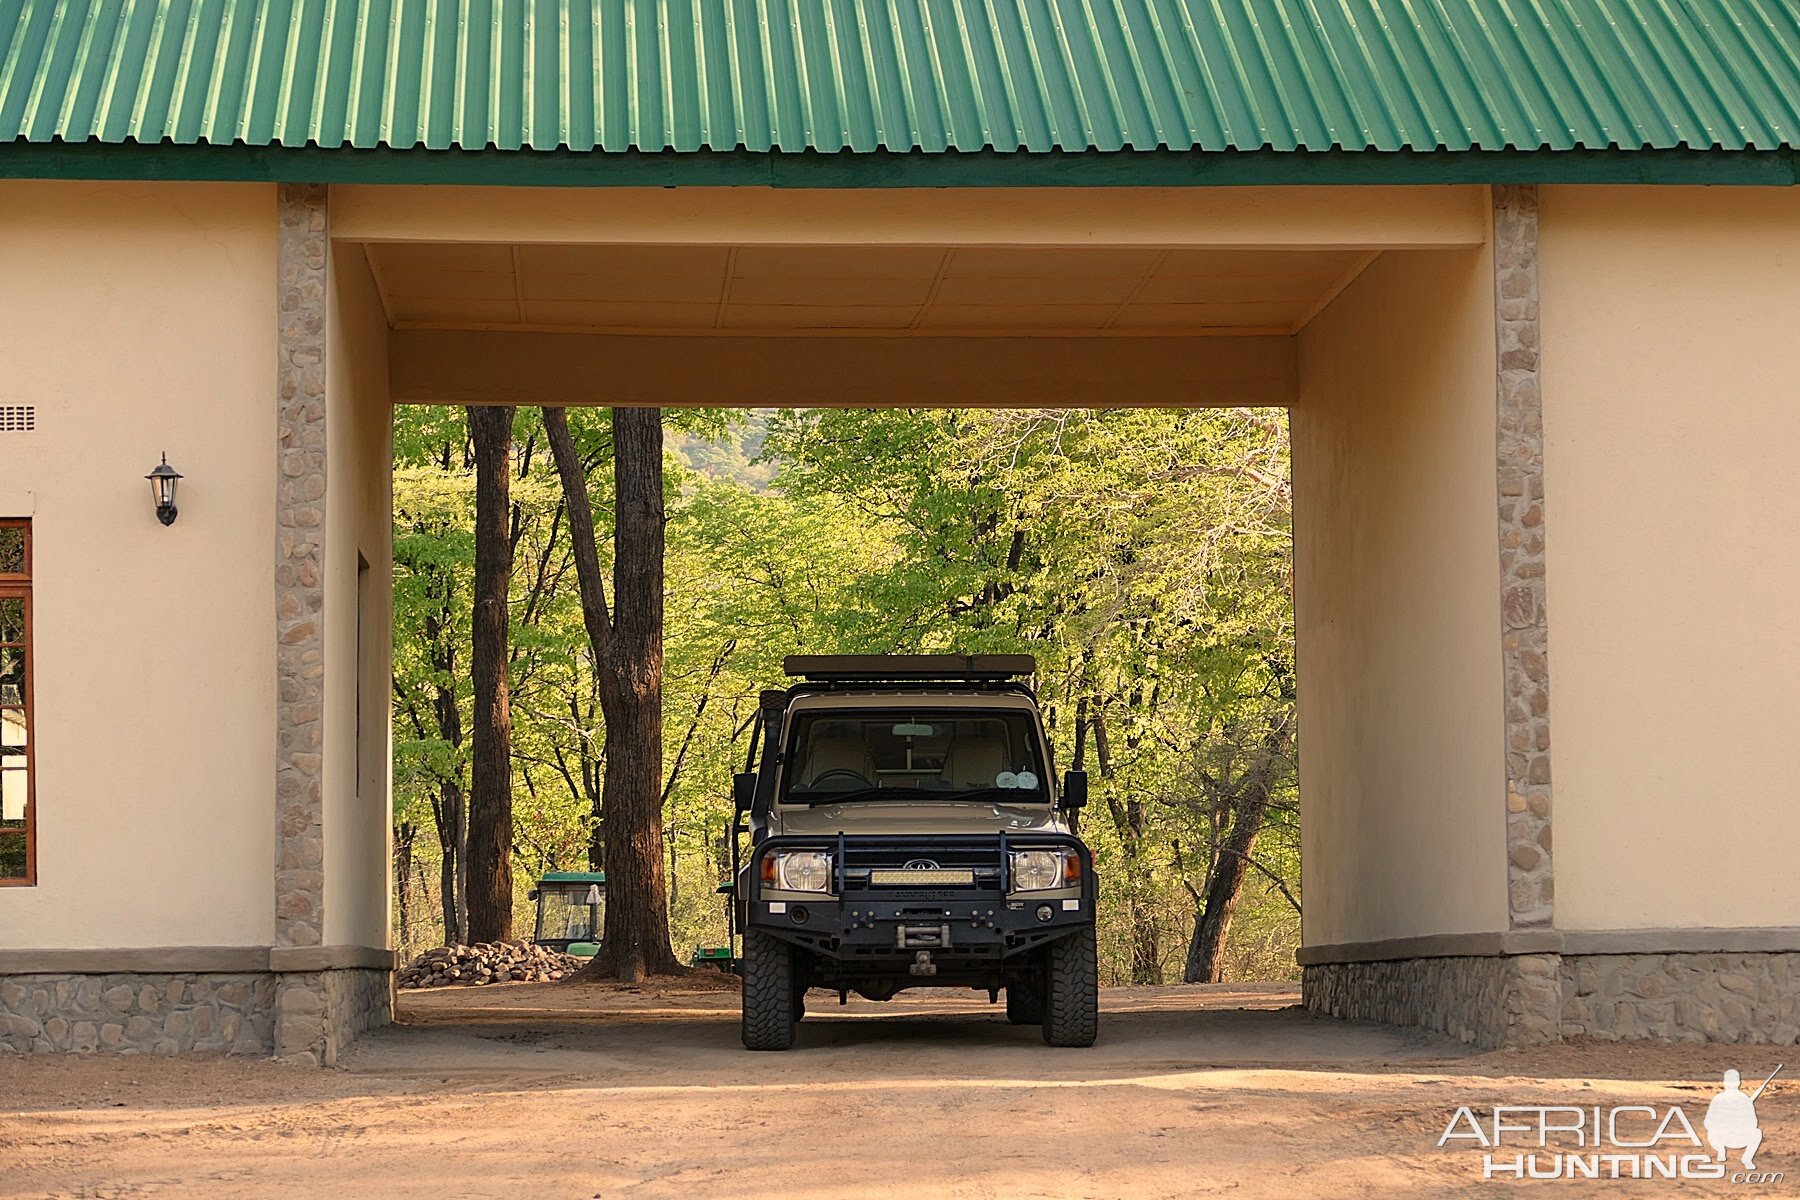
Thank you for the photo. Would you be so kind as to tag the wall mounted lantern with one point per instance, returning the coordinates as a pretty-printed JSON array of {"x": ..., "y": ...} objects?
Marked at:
[{"x": 162, "y": 487}]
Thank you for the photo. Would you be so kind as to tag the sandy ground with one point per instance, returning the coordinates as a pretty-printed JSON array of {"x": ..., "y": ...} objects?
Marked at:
[{"x": 551, "y": 1091}]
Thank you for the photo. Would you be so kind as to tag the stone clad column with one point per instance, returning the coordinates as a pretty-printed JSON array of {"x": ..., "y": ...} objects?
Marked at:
[
  {"x": 300, "y": 568},
  {"x": 302, "y": 254},
  {"x": 1532, "y": 990},
  {"x": 1524, "y": 635}
]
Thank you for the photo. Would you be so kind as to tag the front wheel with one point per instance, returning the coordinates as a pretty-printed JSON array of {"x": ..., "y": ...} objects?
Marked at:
[
  {"x": 1072, "y": 997},
  {"x": 772, "y": 1004}
]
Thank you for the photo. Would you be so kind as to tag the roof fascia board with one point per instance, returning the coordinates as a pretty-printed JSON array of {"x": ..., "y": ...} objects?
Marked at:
[{"x": 986, "y": 169}]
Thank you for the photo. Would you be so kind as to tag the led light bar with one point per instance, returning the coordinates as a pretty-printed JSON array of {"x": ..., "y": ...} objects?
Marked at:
[{"x": 927, "y": 877}]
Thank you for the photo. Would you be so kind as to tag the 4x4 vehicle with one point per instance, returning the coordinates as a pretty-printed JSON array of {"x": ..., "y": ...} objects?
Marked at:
[{"x": 905, "y": 831}]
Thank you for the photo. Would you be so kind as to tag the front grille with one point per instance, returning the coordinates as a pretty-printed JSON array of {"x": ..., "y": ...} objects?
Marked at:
[{"x": 939, "y": 865}]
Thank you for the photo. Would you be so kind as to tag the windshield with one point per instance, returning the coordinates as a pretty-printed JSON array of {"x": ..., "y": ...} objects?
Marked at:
[
  {"x": 565, "y": 915},
  {"x": 897, "y": 754}
]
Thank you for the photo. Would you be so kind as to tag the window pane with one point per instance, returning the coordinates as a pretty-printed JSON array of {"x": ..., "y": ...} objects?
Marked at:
[
  {"x": 12, "y": 854},
  {"x": 14, "y": 787},
  {"x": 12, "y": 619},
  {"x": 12, "y": 675},
  {"x": 12, "y": 550}
]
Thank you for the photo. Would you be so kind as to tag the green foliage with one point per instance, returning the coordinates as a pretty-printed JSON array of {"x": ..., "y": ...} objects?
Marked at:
[{"x": 1142, "y": 555}]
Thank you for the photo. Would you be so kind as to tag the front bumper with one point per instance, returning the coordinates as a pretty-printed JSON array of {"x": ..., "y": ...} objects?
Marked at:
[{"x": 860, "y": 923}]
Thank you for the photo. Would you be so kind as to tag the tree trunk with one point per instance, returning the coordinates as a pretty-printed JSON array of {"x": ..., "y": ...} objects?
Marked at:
[
  {"x": 448, "y": 811},
  {"x": 490, "y": 895},
  {"x": 1212, "y": 921},
  {"x": 596, "y": 845},
  {"x": 1129, "y": 822},
  {"x": 1225, "y": 881},
  {"x": 452, "y": 831},
  {"x": 404, "y": 833},
  {"x": 628, "y": 652},
  {"x": 1146, "y": 951}
]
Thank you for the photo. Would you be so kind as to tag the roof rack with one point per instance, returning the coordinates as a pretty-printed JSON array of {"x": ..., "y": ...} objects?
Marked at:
[{"x": 912, "y": 668}]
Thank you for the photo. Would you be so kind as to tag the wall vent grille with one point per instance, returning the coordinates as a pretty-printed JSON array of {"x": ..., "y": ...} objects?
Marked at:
[{"x": 17, "y": 418}]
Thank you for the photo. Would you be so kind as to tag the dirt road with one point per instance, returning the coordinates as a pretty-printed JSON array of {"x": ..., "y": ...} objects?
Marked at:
[{"x": 549, "y": 1091}]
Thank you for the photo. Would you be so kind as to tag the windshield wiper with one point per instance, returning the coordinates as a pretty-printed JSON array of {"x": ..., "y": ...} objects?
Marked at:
[
  {"x": 1022, "y": 795},
  {"x": 868, "y": 793}
]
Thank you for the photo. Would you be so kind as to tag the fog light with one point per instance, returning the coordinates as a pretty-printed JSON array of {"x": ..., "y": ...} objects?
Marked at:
[
  {"x": 799, "y": 914},
  {"x": 1045, "y": 912}
]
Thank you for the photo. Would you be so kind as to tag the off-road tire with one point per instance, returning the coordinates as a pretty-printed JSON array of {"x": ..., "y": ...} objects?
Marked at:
[
  {"x": 1072, "y": 991},
  {"x": 1025, "y": 1004},
  {"x": 770, "y": 1002}
]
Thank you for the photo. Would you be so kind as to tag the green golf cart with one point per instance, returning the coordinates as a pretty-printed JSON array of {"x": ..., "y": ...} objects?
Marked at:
[{"x": 571, "y": 907}]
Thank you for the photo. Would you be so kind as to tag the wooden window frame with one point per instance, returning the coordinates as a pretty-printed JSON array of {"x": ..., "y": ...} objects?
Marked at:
[{"x": 18, "y": 587}]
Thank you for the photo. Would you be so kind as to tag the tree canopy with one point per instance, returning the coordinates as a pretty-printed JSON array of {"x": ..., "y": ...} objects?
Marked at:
[{"x": 1143, "y": 555}]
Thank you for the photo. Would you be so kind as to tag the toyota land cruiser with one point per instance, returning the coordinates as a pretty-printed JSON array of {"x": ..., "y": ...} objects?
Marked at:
[{"x": 905, "y": 830}]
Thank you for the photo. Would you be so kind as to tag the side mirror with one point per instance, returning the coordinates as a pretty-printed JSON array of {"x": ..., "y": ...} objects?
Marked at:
[
  {"x": 743, "y": 790},
  {"x": 1074, "y": 790}
]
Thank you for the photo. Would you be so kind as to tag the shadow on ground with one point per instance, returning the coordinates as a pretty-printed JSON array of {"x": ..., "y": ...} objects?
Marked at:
[
  {"x": 557, "y": 1091},
  {"x": 650, "y": 1037}
]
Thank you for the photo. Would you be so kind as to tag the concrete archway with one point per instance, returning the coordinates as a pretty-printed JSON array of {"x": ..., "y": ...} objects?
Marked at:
[{"x": 1372, "y": 317}]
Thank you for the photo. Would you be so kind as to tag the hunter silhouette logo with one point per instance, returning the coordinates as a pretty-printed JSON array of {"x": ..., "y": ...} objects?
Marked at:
[{"x": 1730, "y": 1120}]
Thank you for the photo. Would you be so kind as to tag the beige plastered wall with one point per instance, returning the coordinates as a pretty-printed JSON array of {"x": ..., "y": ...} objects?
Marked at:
[
  {"x": 136, "y": 318},
  {"x": 1397, "y": 605},
  {"x": 358, "y": 596},
  {"x": 1671, "y": 421}
]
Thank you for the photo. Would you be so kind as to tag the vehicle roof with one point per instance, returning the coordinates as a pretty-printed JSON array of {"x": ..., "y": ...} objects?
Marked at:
[
  {"x": 921, "y": 668},
  {"x": 913, "y": 696}
]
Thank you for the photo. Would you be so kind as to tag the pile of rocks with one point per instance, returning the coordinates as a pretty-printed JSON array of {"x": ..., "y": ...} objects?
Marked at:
[{"x": 486, "y": 962}]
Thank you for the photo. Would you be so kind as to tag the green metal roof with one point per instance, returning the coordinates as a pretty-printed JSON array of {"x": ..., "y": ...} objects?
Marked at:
[
  {"x": 649, "y": 76},
  {"x": 573, "y": 877}
]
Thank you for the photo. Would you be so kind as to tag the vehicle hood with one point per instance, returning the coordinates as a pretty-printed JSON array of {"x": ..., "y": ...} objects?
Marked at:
[{"x": 918, "y": 816}]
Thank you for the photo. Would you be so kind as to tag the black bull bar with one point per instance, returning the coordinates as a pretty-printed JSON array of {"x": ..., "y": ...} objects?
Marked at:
[{"x": 861, "y": 919}]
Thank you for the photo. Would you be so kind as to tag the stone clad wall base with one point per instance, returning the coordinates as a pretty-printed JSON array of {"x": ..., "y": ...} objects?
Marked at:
[
  {"x": 302, "y": 1016},
  {"x": 319, "y": 1013},
  {"x": 1501, "y": 1000},
  {"x": 1486, "y": 1000},
  {"x": 138, "y": 1013},
  {"x": 1741, "y": 997}
]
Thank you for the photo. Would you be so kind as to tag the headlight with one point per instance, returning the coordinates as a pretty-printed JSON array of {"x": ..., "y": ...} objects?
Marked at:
[
  {"x": 1043, "y": 870},
  {"x": 803, "y": 871}
]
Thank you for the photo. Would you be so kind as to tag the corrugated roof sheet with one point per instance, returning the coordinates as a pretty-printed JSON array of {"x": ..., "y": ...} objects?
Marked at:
[{"x": 902, "y": 75}]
